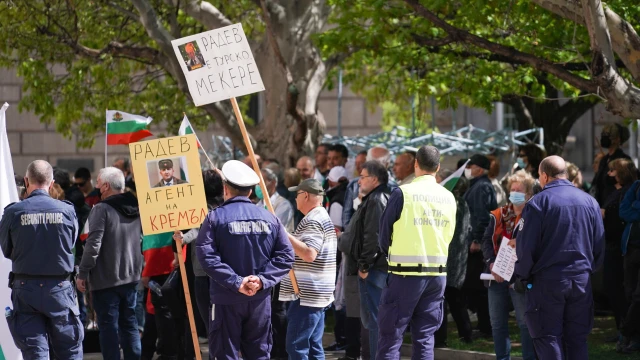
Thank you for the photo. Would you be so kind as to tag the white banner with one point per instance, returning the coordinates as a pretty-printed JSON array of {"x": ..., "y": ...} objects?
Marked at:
[
  {"x": 8, "y": 195},
  {"x": 218, "y": 64}
]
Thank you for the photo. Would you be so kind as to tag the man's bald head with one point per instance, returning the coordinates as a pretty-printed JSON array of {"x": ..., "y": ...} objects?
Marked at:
[
  {"x": 40, "y": 173},
  {"x": 305, "y": 167},
  {"x": 552, "y": 167}
]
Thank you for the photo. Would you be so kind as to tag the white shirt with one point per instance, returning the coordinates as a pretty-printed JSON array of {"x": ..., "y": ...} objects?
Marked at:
[{"x": 283, "y": 209}]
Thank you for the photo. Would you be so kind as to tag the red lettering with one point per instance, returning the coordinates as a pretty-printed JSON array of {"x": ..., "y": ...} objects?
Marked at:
[
  {"x": 183, "y": 215},
  {"x": 171, "y": 219},
  {"x": 154, "y": 227},
  {"x": 203, "y": 214},
  {"x": 163, "y": 221},
  {"x": 193, "y": 217}
]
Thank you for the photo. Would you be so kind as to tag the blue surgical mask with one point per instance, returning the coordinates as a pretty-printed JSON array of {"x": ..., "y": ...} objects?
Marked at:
[
  {"x": 521, "y": 163},
  {"x": 258, "y": 191},
  {"x": 517, "y": 198}
]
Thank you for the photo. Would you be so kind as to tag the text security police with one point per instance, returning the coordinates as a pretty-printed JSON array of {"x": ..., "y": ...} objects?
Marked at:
[{"x": 41, "y": 219}]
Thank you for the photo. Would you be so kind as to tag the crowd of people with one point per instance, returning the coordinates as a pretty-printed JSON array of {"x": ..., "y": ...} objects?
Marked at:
[{"x": 342, "y": 224}]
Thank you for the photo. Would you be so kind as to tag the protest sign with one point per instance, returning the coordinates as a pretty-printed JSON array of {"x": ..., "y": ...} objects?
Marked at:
[
  {"x": 169, "y": 184},
  {"x": 505, "y": 260},
  {"x": 218, "y": 64}
]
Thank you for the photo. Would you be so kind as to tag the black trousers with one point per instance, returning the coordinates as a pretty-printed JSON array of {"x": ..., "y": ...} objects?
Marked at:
[
  {"x": 631, "y": 323},
  {"x": 168, "y": 333},
  {"x": 476, "y": 293},
  {"x": 352, "y": 327},
  {"x": 613, "y": 278},
  {"x": 149, "y": 336},
  {"x": 278, "y": 325},
  {"x": 454, "y": 303}
]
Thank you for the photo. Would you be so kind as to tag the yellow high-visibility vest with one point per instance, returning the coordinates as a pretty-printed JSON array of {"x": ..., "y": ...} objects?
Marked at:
[{"x": 421, "y": 236}]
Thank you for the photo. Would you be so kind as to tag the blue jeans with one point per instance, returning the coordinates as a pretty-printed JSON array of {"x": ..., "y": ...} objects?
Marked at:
[
  {"x": 116, "y": 312},
  {"x": 370, "y": 293},
  {"x": 500, "y": 295},
  {"x": 140, "y": 306},
  {"x": 304, "y": 332}
]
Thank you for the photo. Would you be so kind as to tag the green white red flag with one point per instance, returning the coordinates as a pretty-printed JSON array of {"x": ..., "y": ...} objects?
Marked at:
[
  {"x": 124, "y": 128},
  {"x": 186, "y": 129}
]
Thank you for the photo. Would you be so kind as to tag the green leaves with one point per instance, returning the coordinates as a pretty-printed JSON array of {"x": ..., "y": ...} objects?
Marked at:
[{"x": 398, "y": 54}]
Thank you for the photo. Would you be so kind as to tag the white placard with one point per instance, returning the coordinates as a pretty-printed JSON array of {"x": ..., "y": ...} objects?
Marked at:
[
  {"x": 505, "y": 261},
  {"x": 218, "y": 64}
]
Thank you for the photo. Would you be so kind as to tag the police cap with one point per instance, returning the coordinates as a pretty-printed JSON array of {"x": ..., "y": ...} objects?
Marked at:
[
  {"x": 165, "y": 164},
  {"x": 239, "y": 175}
]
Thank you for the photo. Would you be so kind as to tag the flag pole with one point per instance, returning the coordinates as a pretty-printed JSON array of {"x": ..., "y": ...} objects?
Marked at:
[
  {"x": 202, "y": 147},
  {"x": 106, "y": 121},
  {"x": 187, "y": 298},
  {"x": 263, "y": 187}
]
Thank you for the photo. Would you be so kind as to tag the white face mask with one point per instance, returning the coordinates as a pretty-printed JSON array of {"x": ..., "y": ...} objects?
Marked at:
[
  {"x": 356, "y": 203},
  {"x": 467, "y": 174}
]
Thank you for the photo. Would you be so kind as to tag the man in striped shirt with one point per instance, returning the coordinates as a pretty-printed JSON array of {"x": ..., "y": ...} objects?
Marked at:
[{"x": 314, "y": 243}]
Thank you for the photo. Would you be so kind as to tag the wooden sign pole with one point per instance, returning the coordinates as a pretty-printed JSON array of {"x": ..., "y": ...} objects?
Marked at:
[
  {"x": 187, "y": 297},
  {"x": 256, "y": 168}
]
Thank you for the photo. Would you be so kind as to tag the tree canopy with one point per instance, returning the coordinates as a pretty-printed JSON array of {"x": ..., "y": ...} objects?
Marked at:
[{"x": 483, "y": 51}]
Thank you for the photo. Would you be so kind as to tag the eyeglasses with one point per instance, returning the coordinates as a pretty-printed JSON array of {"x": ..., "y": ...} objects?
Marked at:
[
  {"x": 80, "y": 184},
  {"x": 300, "y": 192},
  {"x": 365, "y": 176}
]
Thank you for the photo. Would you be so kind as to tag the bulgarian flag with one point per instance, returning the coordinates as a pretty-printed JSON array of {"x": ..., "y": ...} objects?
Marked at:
[
  {"x": 85, "y": 231},
  {"x": 158, "y": 254},
  {"x": 450, "y": 182},
  {"x": 186, "y": 129},
  {"x": 124, "y": 128}
]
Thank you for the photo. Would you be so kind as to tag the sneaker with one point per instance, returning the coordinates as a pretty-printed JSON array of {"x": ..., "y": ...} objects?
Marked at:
[
  {"x": 633, "y": 347},
  {"x": 335, "y": 347},
  {"x": 202, "y": 340},
  {"x": 613, "y": 339},
  {"x": 622, "y": 344}
]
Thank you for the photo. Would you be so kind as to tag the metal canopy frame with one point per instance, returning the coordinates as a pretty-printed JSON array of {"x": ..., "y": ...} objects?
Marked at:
[{"x": 466, "y": 140}]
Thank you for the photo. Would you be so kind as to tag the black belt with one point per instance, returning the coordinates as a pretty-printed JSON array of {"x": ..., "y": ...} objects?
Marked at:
[
  {"x": 42, "y": 277},
  {"x": 419, "y": 269}
]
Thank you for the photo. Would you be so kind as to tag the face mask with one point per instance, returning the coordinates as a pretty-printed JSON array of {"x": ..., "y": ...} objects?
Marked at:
[
  {"x": 467, "y": 174},
  {"x": 258, "y": 191},
  {"x": 605, "y": 141},
  {"x": 521, "y": 163},
  {"x": 517, "y": 198},
  {"x": 356, "y": 203}
]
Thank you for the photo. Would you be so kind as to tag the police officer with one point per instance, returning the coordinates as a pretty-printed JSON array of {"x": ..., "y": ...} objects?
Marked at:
[
  {"x": 245, "y": 251},
  {"x": 166, "y": 173},
  {"x": 559, "y": 244},
  {"x": 415, "y": 231},
  {"x": 38, "y": 236}
]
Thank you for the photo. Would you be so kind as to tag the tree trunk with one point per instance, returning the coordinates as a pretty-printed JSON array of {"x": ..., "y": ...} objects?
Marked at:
[
  {"x": 555, "y": 119},
  {"x": 294, "y": 78}
]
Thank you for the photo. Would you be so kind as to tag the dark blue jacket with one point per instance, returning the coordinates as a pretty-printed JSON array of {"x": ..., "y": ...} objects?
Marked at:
[
  {"x": 481, "y": 198},
  {"x": 560, "y": 235},
  {"x": 239, "y": 239},
  {"x": 630, "y": 213},
  {"x": 38, "y": 235}
]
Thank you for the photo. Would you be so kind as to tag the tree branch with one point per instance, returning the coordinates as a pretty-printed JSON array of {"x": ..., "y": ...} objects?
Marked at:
[
  {"x": 204, "y": 12},
  {"x": 625, "y": 41},
  {"x": 538, "y": 63}
]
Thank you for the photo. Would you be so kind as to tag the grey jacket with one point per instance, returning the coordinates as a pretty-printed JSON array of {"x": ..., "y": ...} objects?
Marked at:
[{"x": 112, "y": 253}]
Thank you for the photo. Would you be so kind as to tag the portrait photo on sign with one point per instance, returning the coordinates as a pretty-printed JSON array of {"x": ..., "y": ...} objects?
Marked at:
[
  {"x": 192, "y": 56},
  {"x": 168, "y": 172}
]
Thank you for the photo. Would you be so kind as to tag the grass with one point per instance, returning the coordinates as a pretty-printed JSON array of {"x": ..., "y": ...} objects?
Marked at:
[{"x": 603, "y": 328}]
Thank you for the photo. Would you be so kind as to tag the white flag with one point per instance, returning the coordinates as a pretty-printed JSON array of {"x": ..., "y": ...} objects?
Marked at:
[{"x": 8, "y": 195}]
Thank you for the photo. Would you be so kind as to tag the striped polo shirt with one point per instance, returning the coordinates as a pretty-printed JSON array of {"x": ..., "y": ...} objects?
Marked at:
[{"x": 316, "y": 279}]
